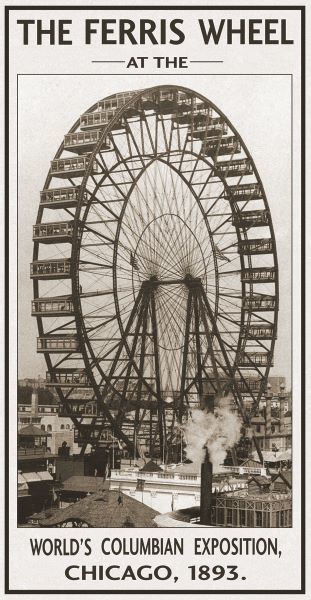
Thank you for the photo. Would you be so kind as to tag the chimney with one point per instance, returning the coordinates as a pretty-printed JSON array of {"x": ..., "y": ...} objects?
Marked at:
[
  {"x": 34, "y": 402},
  {"x": 282, "y": 397},
  {"x": 206, "y": 491}
]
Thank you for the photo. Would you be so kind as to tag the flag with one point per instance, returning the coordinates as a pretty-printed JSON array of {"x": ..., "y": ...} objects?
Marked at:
[
  {"x": 133, "y": 262},
  {"x": 221, "y": 255},
  {"x": 140, "y": 485},
  {"x": 54, "y": 495}
]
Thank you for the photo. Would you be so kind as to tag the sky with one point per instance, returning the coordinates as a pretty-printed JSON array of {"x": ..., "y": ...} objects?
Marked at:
[{"x": 257, "y": 106}]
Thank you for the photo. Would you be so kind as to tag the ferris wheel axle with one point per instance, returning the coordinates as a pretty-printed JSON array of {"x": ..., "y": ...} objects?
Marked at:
[{"x": 189, "y": 281}]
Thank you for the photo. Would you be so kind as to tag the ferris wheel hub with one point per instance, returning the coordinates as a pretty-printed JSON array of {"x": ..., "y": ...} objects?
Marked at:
[{"x": 189, "y": 281}]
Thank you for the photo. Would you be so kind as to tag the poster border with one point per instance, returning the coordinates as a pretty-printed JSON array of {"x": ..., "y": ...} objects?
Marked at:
[{"x": 7, "y": 9}]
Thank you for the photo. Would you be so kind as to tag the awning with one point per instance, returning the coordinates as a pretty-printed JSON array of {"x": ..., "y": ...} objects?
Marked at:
[
  {"x": 30, "y": 477},
  {"x": 22, "y": 486},
  {"x": 275, "y": 457},
  {"x": 21, "y": 479},
  {"x": 37, "y": 476},
  {"x": 45, "y": 475},
  {"x": 287, "y": 455}
]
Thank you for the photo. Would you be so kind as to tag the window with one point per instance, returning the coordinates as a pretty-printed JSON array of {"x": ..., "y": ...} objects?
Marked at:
[
  {"x": 266, "y": 519},
  {"x": 258, "y": 518},
  {"x": 43, "y": 427},
  {"x": 62, "y": 426},
  {"x": 67, "y": 426},
  {"x": 220, "y": 516},
  {"x": 49, "y": 428},
  {"x": 242, "y": 515},
  {"x": 229, "y": 516}
]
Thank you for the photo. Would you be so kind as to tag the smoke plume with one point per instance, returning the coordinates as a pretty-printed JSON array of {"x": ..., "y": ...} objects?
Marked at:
[{"x": 218, "y": 432}]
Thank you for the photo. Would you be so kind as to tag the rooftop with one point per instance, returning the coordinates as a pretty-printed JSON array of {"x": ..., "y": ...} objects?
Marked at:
[
  {"x": 250, "y": 462},
  {"x": 150, "y": 467},
  {"x": 260, "y": 479},
  {"x": 84, "y": 483},
  {"x": 38, "y": 452},
  {"x": 270, "y": 456},
  {"x": 33, "y": 431},
  {"x": 286, "y": 476},
  {"x": 105, "y": 509}
]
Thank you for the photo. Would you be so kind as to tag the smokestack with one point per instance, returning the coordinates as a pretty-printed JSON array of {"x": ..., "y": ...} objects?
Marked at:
[
  {"x": 206, "y": 491},
  {"x": 34, "y": 402}
]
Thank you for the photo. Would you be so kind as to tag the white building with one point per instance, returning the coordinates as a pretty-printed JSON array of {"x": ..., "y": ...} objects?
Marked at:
[
  {"x": 169, "y": 490},
  {"x": 46, "y": 418}
]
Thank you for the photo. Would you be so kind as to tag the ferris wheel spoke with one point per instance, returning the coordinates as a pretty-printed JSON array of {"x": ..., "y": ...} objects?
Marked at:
[
  {"x": 232, "y": 293},
  {"x": 104, "y": 205},
  {"x": 139, "y": 154},
  {"x": 100, "y": 325},
  {"x": 225, "y": 222},
  {"x": 121, "y": 159},
  {"x": 164, "y": 311},
  {"x": 225, "y": 317},
  {"x": 173, "y": 320},
  {"x": 101, "y": 164},
  {"x": 160, "y": 119},
  {"x": 145, "y": 123},
  {"x": 230, "y": 334},
  {"x": 98, "y": 234},
  {"x": 61, "y": 327},
  {"x": 228, "y": 307}
]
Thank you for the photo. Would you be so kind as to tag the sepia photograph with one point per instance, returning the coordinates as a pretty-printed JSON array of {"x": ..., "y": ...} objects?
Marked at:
[{"x": 154, "y": 302}]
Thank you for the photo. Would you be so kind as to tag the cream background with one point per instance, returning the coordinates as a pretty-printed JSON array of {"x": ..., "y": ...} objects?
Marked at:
[{"x": 262, "y": 573}]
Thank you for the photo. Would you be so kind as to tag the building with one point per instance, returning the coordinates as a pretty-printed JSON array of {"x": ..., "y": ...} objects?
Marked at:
[
  {"x": 77, "y": 487},
  {"x": 266, "y": 510},
  {"x": 272, "y": 425},
  {"x": 38, "y": 382},
  {"x": 36, "y": 466},
  {"x": 276, "y": 461},
  {"x": 262, "y": 503},
  {"x": 177, "y": 488},
  {"x": 104, "y": 508},
  {"x": 45, "y": 478},
  {"x": 276, "y": 382},
  {"x": 38, "y": 406},
  {"x": 282, "y": 482}
]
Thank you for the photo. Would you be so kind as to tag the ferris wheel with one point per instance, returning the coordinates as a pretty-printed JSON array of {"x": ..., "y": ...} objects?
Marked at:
[{"x": 154, "y": 268}]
